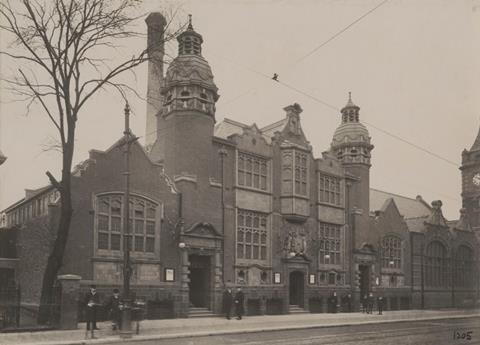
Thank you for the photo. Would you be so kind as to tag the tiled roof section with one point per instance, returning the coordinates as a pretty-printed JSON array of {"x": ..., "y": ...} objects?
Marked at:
[
  {"x": 228, "y": 127},
  {"x": 416, "y": 224},
  {"x": 408, "y": 207}
]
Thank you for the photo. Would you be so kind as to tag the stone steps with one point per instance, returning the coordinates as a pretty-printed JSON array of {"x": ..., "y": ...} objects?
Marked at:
[
  {"x": 200, "y": 312},
  {"x": 295, "y": 309}
]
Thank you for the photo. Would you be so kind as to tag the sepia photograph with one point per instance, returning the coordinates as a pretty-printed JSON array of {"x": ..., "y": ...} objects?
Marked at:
[{"x": 203, "y": 172}]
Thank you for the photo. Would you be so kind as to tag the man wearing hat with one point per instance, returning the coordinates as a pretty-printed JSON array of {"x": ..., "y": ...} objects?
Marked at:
[
  {"x": 113, "y": 307},
  {"x": 92, "y": 302}
]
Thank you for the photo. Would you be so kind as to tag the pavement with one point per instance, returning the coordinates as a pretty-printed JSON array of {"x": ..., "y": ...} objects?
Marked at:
[{"x": 195, "y": 327}]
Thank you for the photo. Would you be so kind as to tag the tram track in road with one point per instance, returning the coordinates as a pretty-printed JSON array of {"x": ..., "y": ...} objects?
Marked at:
[
  {"x": 422, "y": 332},
  {"x": 359, "y": 337}
]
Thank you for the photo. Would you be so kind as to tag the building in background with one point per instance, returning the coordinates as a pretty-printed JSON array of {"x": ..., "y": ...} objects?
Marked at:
[{"x": 230, "y": 204}]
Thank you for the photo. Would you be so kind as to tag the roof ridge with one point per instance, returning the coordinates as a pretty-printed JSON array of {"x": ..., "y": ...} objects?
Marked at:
[
  {"x": 272, "y": 125},
  {"x": 233, "y": 122},
  {"x": 401, "y": 196}
]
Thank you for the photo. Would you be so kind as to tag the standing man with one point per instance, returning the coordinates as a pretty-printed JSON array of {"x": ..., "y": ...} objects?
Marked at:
[
  {"x": 371, "y": 301},
  {"x": 227, "y": 302},
  {"x": 113, "y": 308},
  {"x": 348, "y": 303},
  {"x": 364, "y": 304},
  {"x": 380, "y": 303},
  {"x": 239, "y": 300},
  {"x": 92, "y": 302},
  {"x": 334, "y": 302}
]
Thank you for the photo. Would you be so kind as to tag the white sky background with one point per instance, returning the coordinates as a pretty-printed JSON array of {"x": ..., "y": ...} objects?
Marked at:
[{"x": 412, "y": 66}]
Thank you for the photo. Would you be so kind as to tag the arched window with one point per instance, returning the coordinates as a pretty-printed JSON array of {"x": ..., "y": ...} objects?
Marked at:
[
  {"x": 464, "y": 267},
  {"x": 391, "y": 252},
  {"x": 436, "y": 265},
  {"x": 109, "y": 224}
]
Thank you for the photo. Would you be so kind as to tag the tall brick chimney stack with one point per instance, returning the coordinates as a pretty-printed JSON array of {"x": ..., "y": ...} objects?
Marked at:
[{"x": 155, "y": 39}]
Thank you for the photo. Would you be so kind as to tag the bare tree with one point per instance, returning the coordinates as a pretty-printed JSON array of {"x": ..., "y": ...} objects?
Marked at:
[{"x": 61, "y": 48}]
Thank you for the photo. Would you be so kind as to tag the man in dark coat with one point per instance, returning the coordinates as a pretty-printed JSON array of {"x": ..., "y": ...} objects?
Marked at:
[
  {"x": 380, "y": 304},
  {"x": 364, "y": 304},
  {"x": 334, "y": 302},
  {"x": 92, "y": 302},
  {"x": 371, "y": 301},
  {"x": 239, "y": 300},
  {"x": 227, "y": 302},
  {"x": 347, "y": 303},
  {"x": 113, "y": 307}
]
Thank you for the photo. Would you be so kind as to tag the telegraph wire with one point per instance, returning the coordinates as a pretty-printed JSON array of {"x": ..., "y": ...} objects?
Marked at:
[
  {"x": 373, "y": 126},
  {"x": 341, "y": 31},
  {"x": 337, "y": 34}
]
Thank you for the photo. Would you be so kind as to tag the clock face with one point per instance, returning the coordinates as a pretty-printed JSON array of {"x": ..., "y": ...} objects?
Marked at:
[{"x": 476, "y": 179}]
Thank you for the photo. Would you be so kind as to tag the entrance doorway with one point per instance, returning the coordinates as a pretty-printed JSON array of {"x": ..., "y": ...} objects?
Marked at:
[
  {"x": 364, "y": 280},
  {"x": 199, "y": 286},
  {"x": 296, "y": 288}
]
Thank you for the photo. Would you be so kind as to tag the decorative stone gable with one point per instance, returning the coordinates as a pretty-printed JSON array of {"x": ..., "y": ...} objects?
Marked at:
[{"x": 436, "y": 218}]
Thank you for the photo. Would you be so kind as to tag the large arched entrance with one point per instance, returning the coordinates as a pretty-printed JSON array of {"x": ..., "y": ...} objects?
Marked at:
[{"x": 297, "y": 282}]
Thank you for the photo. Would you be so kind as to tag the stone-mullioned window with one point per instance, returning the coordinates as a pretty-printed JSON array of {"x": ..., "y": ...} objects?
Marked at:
[
  {"x": 252, "y": 235},
  {"x": 436, "y": 265},
  {"x": 391, "y": 252},
  {"x": 110, "y": 223},
  {"x": 295, "y": 172},
  {"x": 330, "y": 244},
  {"x": 330, "y": 190},
  {"x": 252, "y": 171}
]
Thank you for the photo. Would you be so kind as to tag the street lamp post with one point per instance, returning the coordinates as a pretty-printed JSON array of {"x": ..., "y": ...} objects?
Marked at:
[{"x": 126, "y": 331}]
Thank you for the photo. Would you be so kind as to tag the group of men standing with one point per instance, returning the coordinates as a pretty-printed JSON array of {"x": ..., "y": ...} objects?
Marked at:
[
  {"x": 368, "y": 301},
  {"x": 113, "y": 306},
  {"x": 237, "y": 301}
]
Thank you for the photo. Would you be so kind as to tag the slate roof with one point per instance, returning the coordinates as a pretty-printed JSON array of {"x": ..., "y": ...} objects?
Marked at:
[
  {"x": 408, "y": 207},
  {"x": 228, "y": 127},
  {"x": 416, "y": 224}
]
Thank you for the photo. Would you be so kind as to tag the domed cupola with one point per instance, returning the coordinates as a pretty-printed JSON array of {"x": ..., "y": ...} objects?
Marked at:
[
  {"x": 351, "y": 141},
  {"x": 189, "y": 81}
]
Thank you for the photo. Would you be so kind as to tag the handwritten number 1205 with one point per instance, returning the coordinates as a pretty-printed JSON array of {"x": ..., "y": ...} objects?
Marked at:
[{"x": 462, "y": 335}]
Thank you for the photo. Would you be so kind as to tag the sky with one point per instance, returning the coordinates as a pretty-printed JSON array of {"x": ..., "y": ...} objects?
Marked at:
[{"x": 412, "y": 66}]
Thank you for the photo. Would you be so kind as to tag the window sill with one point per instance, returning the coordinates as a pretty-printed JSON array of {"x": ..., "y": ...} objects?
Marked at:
[
  {"x": 251, "y": 189},
  {"x": 319, "y": 203}
]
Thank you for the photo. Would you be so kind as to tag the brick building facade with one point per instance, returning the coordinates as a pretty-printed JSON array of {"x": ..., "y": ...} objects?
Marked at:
[{"x": 230, "y": 204}]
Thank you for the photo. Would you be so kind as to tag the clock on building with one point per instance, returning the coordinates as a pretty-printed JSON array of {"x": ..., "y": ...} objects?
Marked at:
[{"x": 476, "y": 179}]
